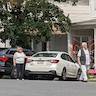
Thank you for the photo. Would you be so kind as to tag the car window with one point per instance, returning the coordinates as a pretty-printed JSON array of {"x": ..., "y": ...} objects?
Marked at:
[
  {"x": 45, "y": 55},
  {"x": 70, "y": 59},
  {"x": 12, "y": 52},
  {"x": 29, "y": 53},
  {"x": 66, "y": 57}
]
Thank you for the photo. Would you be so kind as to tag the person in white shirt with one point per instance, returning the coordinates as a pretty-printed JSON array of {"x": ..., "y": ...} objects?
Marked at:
[
  {"x": 84, "y": 61},
  {"x": 18, "y": 61}
]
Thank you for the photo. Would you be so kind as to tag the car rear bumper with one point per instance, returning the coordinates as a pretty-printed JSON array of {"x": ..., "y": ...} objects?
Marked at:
[
  {"x": 52, "y": 72},
  {"x": 2, "y": 69},
  {"x": 5, "y": 70}
]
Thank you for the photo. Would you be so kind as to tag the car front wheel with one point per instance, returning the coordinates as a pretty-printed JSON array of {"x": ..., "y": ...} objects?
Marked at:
[
  {"x": 1, "y": 75},
  {"x": 50, "y": 77}
]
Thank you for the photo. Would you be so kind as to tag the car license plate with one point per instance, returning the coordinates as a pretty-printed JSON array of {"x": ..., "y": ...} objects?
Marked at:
[{"x": 40, "y": 62}]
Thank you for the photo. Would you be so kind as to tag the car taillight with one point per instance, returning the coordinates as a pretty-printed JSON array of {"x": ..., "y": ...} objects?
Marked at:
[
  {"x": 3, "y": 59},
  {"x": 54, "y": 61}
]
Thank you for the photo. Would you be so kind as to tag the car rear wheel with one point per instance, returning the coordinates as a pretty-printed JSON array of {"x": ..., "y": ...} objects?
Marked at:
[
  {"x": 64, "y": 74},
  {"x": 1, "y": 75}
]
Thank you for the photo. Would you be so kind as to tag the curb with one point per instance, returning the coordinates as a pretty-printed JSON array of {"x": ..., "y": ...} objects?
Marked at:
[{"x": 92, "y": 80}]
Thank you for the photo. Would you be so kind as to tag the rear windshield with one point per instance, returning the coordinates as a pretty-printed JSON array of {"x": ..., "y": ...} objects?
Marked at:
[
  {"x": 46, "y": 55},
  {"x": 12, "y": 52}
]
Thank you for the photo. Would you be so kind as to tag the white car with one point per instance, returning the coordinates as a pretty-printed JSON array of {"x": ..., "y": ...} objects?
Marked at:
[{"x": 52, "y": 64}]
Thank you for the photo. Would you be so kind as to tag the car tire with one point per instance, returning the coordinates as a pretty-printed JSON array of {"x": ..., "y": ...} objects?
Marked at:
[
  {"x": 78, "y": 75},
  {"x": 1, "y": 75},
  {"x": 64, "y": 74},
  {"x": 51, "y": 78}
]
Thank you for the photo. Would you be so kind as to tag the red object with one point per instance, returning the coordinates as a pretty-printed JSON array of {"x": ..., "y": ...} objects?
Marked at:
[
  {"x": 3, "y": 59},
  {"x": 92, "y": 71},
  {"x": 54, "y": 61}
]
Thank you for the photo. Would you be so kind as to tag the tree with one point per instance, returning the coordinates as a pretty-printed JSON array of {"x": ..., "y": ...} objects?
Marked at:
[
  {"x": 43, "y": 16},
  {"x": 12, "y": 24},
  {"x": 34, "y": 19}
]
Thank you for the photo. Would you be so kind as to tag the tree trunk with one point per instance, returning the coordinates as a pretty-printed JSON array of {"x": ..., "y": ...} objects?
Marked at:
[{"x": 44, "y": 46}]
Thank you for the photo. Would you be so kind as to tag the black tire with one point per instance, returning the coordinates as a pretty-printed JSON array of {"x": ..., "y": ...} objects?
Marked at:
[
  {"x": 51, "y": 78},
  {"x": 78, "y": 75},
  {"x": 64, "y": 74},
  {"x": 1, "y": 75}
]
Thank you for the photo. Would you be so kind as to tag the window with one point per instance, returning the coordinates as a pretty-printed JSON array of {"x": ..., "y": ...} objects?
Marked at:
[
  {"x": 45, "y": 55},
  {"x": 70, "y": 59},
  {"x": 66, "y": 57},
  {"x": 11, "y": 52}
]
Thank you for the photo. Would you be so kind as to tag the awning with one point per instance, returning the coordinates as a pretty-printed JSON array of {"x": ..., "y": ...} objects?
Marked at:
[{"x": 90, "y": 24}]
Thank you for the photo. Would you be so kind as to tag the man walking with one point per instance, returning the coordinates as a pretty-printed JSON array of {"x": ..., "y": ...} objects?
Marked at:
[{"x": 84, "y": 61}]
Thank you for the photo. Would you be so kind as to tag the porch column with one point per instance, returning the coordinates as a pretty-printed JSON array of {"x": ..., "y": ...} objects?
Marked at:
[
  {"x": 95, "y": 48},
  {"x": 69, "y": 43},
  {"x": 32, "y": 44},
  {"x": 48, "y": 44}
]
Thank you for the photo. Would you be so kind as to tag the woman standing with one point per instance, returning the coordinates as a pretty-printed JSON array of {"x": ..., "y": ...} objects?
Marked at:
[{"x": 18, "y": 61}]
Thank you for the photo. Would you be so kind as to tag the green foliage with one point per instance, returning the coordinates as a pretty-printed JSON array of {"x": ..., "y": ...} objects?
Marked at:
[
  {"x": 32, "y": 20},
  {"x": 42, "y": 12}
]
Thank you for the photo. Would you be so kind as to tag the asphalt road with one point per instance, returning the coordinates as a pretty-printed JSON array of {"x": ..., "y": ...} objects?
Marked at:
[{"x": 46, "y": 88}]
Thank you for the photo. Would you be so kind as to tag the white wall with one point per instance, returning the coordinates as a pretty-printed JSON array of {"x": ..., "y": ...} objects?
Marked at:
[
  {"x": 93, "y": 8},
  {"x": 78, "y": 13}
]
